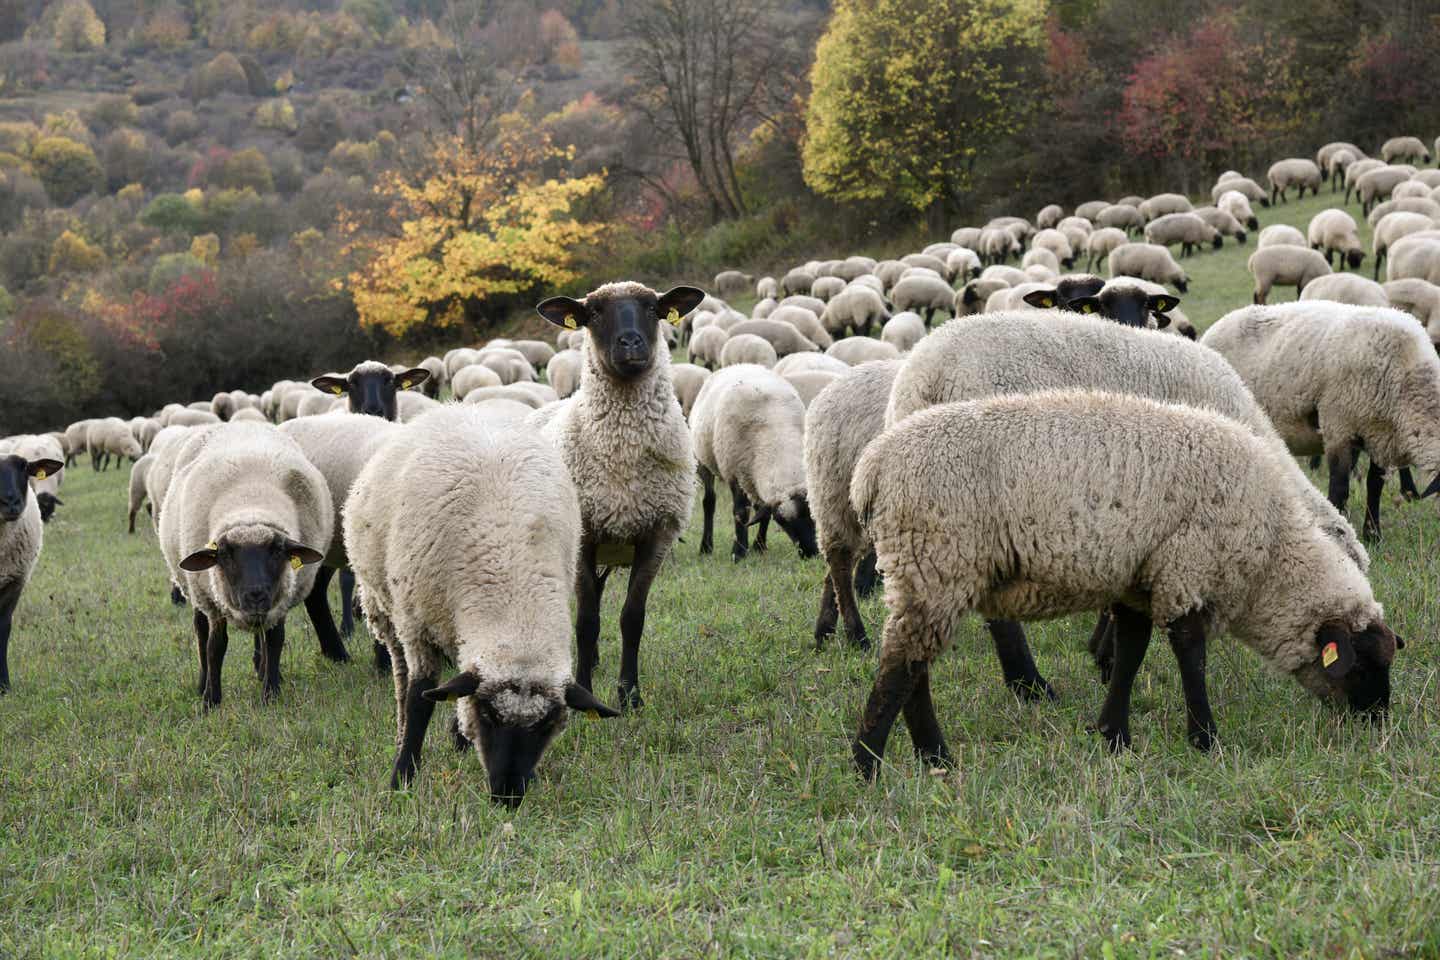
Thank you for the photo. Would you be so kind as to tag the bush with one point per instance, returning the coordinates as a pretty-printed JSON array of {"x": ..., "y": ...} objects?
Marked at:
[
  {"x": 255, "y": 80},
  {"x": 320, "y": 127},
  {"x": 224, "y": 74},
  {"x": 7, "y": 304},
  {"x": 288, "y": 169},
  {"x": 77, "y": 28},
  {"x": 171, "y": 267},
  {"x": 353, "y": 159},
  {"x": 18, "y": 137},
  {"x": 181, "y": 126},
  {"x": 113, "y": 111},
  {"x": 206, "y": 248},
  {"x": 167, "y": 29},
  {"x": 19, "y": 191},
  {"x": 69, "y": 170},
  {"x": 171, "y": 213},
  {"x": 244, "y": 169},
  {"x": 72, "y": 253},
  {"x": 126, "y": 156},
  {"x": 277, "y": 115}
]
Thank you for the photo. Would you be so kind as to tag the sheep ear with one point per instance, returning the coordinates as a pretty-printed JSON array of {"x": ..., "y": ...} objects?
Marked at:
[
  {"x": 680, "y": 299},
  {"x": 1041, "y": 299},
  {"x": 1337, "y": 653},
  {"x": 40, "y": 469},
  {"x": 200, "y": 560},
  {"x": 563, "y": 312},
  {"x": 1163, "y": 303},
  {"x": 1086, "y": 305},
  {"x": 580, "y": 700},
  {"x": 1433, "y": 489},
  {"x": 412, "y": 378},
  {"x": 463, "y": 685},
  {"x": 300, "y": 554},
  {"x": 331, "y": 384},
  {"x": 1162, "y": 320}
]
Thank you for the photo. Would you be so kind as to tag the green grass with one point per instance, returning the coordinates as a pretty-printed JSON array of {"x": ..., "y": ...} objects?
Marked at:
[{"x": 723, "y": 819}]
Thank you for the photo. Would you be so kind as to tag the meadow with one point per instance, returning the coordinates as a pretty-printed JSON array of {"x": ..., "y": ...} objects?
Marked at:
[{"x": 724, "y": 818}]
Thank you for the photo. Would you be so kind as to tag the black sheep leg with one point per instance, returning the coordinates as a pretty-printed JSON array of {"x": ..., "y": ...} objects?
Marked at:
[
  {"x": 893, "y": 685},
  {"x": 649, "y": 555},
  {"x": 707, "y": 503},
  {"x": 920, "y": 720},
  {"x": 1374, "y": 487},
  {"x": 1408, "y": 489},
  {"x": 418, "y": 711},
  {"x": 829, "y": 613},
  {"x": 347, "y": 603},
  {"x": 202, "y": 640},
  {"x": 1187, "y": 639},
  {"x": 740, "y": 505},
  {"x": 215, "y": 648},
  {"x": 317, "y": 606},
  {"x": 1132, "y": 638},
  {"x": 1016, "y": 663},
  {"x": 1339, "y": 461},
  {"x": 9, "y": 599},
  {"x": 589, "y": 589},
  {"x": 1102, "y": 644},
  {"x": 274, "y": 643},
  {"x": 866, "y": 576}
]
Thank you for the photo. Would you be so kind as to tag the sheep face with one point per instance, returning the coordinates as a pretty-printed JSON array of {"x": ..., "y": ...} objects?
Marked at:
[
  {"x": 1355, "y": 666},
  {"x": 253, "y": 562},
  {"x": 793, "y": 516},
  {"x": 371, "y": 387},
  {"x": 1127, "y": 306},
  {"x": 15, "y": 474},
  {"x": 623, "y": 320},
  {"x": 48, "y": 502}
]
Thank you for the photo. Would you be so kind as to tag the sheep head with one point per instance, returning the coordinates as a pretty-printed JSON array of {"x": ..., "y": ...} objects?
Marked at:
[
  {"x": 623, "y": 320},
  {"x": 371, "y": 387},
  {"x": 254, "y": 561},
  {"x": 15, "y": 474}
]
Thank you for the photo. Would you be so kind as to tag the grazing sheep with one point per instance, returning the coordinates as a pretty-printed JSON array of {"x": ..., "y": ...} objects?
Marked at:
[
  {"x": 248, "y": 415},
  {"x": 223, "y": 406},
  {"x": 111, "y": 437},
  {"x": 1346, "y": 288},
  {"x": 1039, "y": 273},
  {"x": 1358, "y": 169},
  {"x": 471, "y": 378},
  {"x": 924, "y": 295},
  {"x": 1057, "y": 243},
  {"x": 495, "y": 602},
  {"x": 75, "y": 435},
  {"x": 1227, "y": 224},
  {"x": 1091, "y": 208},
  {"x": 1393, "y": 227},
  {"x": 1186, "y": 229},
  {"x": 1228, "y": 547},
  {"x": 688, "y": 379},
  {"x": 968, "y": 237},
  {"x": 732, "y": 283},
  {"x": 1336, "y": 379},
  {"x": 1334, "y": 169},
  {"x": 797, "y": 280},
  {"x": 461, "y": 357},
  {"x": 509, "y": 364},
  {"x": 242, "y": 528},
  {"x": 972, "y": 297},
  {"x": 747, "y": 348},
  {"x": 1238, "y": 206},
  {"x": 961, "y": 262},
  {"x": 435, "y": 367},
  {"x": 1148, "y": 262},
  {"x": 1376, "y": 185},
  {"x": 803, "y": 362},
  {"x": 45, "y": 483},
  {"x": 1130, "y": 201},
  {"x": 1163, "y": 203},
  {"x": 1049, "y": 216},
  {"x": 766, "y": 288},
  {"x": 1038, "y": 256},
  {"x": 1247, "y": 188},
  {"x": 1297, "y": 172},
  {"x": 1325, "y": 154},
  {"x": 21, "y": 537},
  {"x": 1014, "y": 298},
  {"x": 1416, "y": 256},
  {"x": 1334, "y": 233},
  {"x": 202, "y": 406},
  {"x": 1420, "y": 205},
  {"x": 784, "y": 337},
  {"x": 1010, "y": 275},
  {"x": 809, "y": 383},
  {"x": 624, "y": 438},
  {"x": 806, "y": 321},
  {"x": 1102, "y": 241},
  {"x": 370, "y": 387},
  {"x": 536, "y": 352},
  {"x": 763, "y": 308},
  {"x": 825, "y": 288},
  {"x": 706, "y": 346},
  {"x": 1280, "y": 235},
  {"x": 904, "y": 330},
  {"x": 1123, "y": 300},
  {"x": 563, "y": 372},
  {"x": 997, "y": 245},
  {"x": 138, "y": 475},
  {"x": 858, "y": 350},
  {"x": 1420, "y": 299},
  {"x": 1284, "y": 265},
  {"x": 1410, "y": 189},
  {"x": 748, "y": 429},
  {"x": 1431, "y": 178},
  {"x": 1410, "y": 149},
  {"x": 858, "y": 308}
]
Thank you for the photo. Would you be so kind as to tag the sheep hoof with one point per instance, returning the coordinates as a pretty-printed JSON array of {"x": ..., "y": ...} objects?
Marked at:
[
  {"x": 861, "y": 644},
  {"x": 1370, "y": 533},
  {"x": 1202, "y": 739},
  {"x": 706, "y": 548},
  {"x": 459, "y": 739},
  {"x": 176, "y": 597},
  {"x": 382, "y": 658},
  {"x": 866, "y": 763},
  {"x": 1118, "y": 739},
  {"x": 1033, "y": 689},
  {"x": 760, "y": 546},
  {"x": 737, "y": 552},
  {"x": 630, "y": 698}
]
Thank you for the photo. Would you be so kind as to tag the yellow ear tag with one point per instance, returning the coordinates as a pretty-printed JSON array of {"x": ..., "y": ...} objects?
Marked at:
[
  {"x": 404, "y": 384},
  {"x": 336, "y": 389},
  {"x": 212, "y": 545},
  {"x": 1088, "y": 308},
  {"x": 673, "y": 317},
  {"x": 1047, "y": 303},
  {"x": 1329, "y": 654},
  {"x": 570, "y": 323},
  {"x": 295, "y": 563},
  {"x": 39, "y": 474}
]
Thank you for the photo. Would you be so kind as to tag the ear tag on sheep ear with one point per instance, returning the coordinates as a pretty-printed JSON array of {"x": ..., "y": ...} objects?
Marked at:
[
  {"x": 336, "y": 389},
  {"x": 295, "y": 563},
  {"x": 1330, "y": 654},
  {"x": 40, "y": 474},
  {"x": 1087, "y": 308},
  {"x": 212, "y": 545},
  {"x": 570, "y": 323},
  {"x": 673, "y": 317}
]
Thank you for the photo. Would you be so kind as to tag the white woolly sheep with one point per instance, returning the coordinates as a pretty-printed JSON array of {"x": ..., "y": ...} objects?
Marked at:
[
  {"x": 814, "y": 304},
  {"x": 1057, "y": 243},
  {"x": 414, "y": 404},
  {"x": 1102, "y": 241},
  {"x": 1039, "y": 273},
  {"x": 1049, "y": 216},
  {"x": 1149, "y": 262},
  {"x": 972, "y": 297},
  {"x": 1238, "y": 206},
  {"x": 706, "y": 346},
  {"x": 825, "y": 288},
  {"x": 1334, "y": 233},
  {"x": 1324, "y": 155},
  {"x": 1280, "y": 234},
  {"x": 1410, "y": 149},
  {"x": 809, "y": 383},
  {"x": 1163, "y": 203},
  {"x": 1376, "y": 185},
  {"x": 857, "y": 308},
  {"x": 495, "y": 602},
  {"x": 1420, "y": 299},
  {"x": 1038, "y": 255},
  {"x": 1334, "y": 169},
  {"x": 1014, "y": 298},
  {"x": 35, "y": 449},
  {"x": 903, "y": 331},
  {"x": 75, "y": 435},
  {"x": 1227, "y": 224},
  {"x": 967, "y": 237},
  {"x": 961, "y": 262},
  {"x": 733, "y": 283},
  {"x": 747, "y": 348},
  {"x": 857, "y": 350},
  {"x": 1285, "y": 265},
  {"x": 137, "y": 492},
  {"x": 1090, "y": 208},
  {"x": 688, "y": 379},
  {"x": 1297, "y": 172},
  {"x": 536, "y": 352},
  {"x": 923, "y": 295},
  {"x": 435, "y": 367},
  {"x": 1229, "y": 547},
  {"x": 783, "y": 336},
  {"x": 624, "y": 438},
  {"x": 111, "y": 437},
  {"x": 1410, "y": 188},
  {"x": 1346, "y": 288},
  {"x": 532, "y": 395},
  {"x": 1247, "y": 188},
  {"x": 1431, "y": 178},
  {"x": 797, "y": 280},
  {"x": 319, "y": 404},
  {"x": 803, "y": 362},
  {"x": 1010, "y": 275},
  {"x": 1391, "y": 228},
  {"x": 563, "y": 371},
  {"x": 509, "y": 364},
  {"x": 1335, "y": 379},
  {"x": 1416, "y": 256},
  {"x": 21, "y": 537},
  {"x": 766, "y": 288},
  {"x": 1186, "y": 229},
  {"x": 748, "y": 430},
  {"x": 473, "y": 377},
  {"x": 242, "y": 528},
  {"x": 1421, "y": 205},
  {"x": 1358, "y": 169},
  {"x": 763, "y": 308},
  {"x": 996, "y": 245},
  {"x": 804, "y": 320}
]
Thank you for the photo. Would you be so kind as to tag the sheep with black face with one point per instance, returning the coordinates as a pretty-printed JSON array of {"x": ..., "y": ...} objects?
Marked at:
[
  {"x": 371, "y": 386},
  {"x": 21, "y": 536}
]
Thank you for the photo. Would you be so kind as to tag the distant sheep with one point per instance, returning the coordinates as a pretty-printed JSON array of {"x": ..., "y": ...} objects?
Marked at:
[
  {"x": 1298, "y": 172},
  {"x": 1237, "y": 205},
  {"x": 1280, "y": 234},
  {"x": 1346, "y": 288},
  {"x": 782, "y": 336},
  {"x": 1285, "y": 265},
  {"x": 730, "y": 284},
  {"x": 747, "y": 348},
  {"x": 1186, "y": 229},
  {"x": 1407, "y": 149},
  {"x": 1334, "y": 233},
  {"x": 1150, "y": 262},
  {"x": 706, "y": 346},
  {"x": 858, "y": 350}
]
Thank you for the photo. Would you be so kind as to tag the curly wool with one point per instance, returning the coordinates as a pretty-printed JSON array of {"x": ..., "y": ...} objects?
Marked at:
[{"x": 748, "y": 427}]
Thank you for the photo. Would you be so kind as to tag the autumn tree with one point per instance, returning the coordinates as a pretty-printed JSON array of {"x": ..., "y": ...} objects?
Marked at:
[
  {"x": 907, "y": 96},
  {"x": 470, "y": 79}
]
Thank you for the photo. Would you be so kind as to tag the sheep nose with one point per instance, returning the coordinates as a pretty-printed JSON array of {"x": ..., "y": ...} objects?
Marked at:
[
  {"x": 256, "y": 598},
  {"x": 630, "y": 342},
  {"x": 10, "y": 509}
]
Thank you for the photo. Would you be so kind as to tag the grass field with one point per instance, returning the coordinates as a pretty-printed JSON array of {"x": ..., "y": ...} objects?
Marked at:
[{"x": 724, "y": 819}]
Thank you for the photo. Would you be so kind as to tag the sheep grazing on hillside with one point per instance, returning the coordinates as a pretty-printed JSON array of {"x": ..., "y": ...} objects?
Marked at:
[
  {"x": 1229, "y": 547},
  {"x": 1225, "y": 223},
  {"x": 1120, "y": 216},
  {"x": 472, "y": 377},
  {"x": 802, "y": 362},
  {"x": 495, "y": 602},
  {"x": 1186, "y": 229},
  {"x": 1416, "y": 256},
  {"x": 1325, "y": 155},
  {"x": 797, "y": 280},
  {"x": 1376, "y": 185},
  {"x": 1049, "y": 216},
  {"x": 1163, "y": 203},
  {"x": 1247, "y": 188},
  {"x": 806, "y": 321},
  {"x": 706, "y": 346},
  {"x": 688, "y": 379},
  {"x": 767, "y": 288},
  {"x": 1392, "y": 228},
  {"x": 924, "y": 295},
  {"x": 625, "y": 440},
  {"x": 1346, "y": 288},
  {"x": 1358, "y": 169},
  {"x": 1090, "y": 208},
  {"x": 857, "y": 308},
  {"x": 1280, "y": 234},
  {"x": 1101, "y": 242},
  {"x": 370, "y": 387},
  {"x": 1297, "y": 172},
  {"x": 242, "y": 528},
  {"x": 1285, "y": 265},
  {"x": 730, "y": 284},
  {"x": 1421, "y": 205},
  {"x": 1406, "y": 149},
  {"x": 1420, "y": 299},
  {"x": 903, "y": 331},
  {"x": 21, "y": 537},
  {"x": 111, "y": 437},
  {"x": 1334, "y": 233},
  {"x": 1150, "y": 262},
  {"x": 1337, "y": 379},
  {"x": 784, "y": 337}
]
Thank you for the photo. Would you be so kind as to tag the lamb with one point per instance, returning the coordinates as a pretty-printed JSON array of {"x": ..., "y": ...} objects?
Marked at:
[
  {"x": 472, "y": 377},
  {"x": 766, "y": 288},
  {"x": 1334, "y": 232},
  {"x": 1049, "y": 216},
  {"x": 1298, "y": 172},
  {"x": 1346, "y": 288},
  {"x": 1392, "y": 227},
  {"x": 1186, "y": 229},
  {"x": 1238, "y": 206},
  {"x": 624, "y": 438},
  {"x": 747, "y": 348},
  {"x": 1376, "y": 185},
  {"x": 241, "y": 528},
  {"x": 1227, "y": 224},
  {"x": 1149, "y": 262},
  {"x": 1247, "y": 188},
  {"x": 903, "y": 331},
  {"x": 1281, "y": 234},
  {"x": 1284, "y": 265},
  {"x": 688, "y": 379},
  {"x": 858, "y": 308},
  {"x": 1337, "y": 378},
  {"x": 706, "y": 347},
  {"x": 494, "y": 602},
  {"x": 858, "y": 350},
  {"x": 563, "y": 371},
  {"x": 111, "y": 437},
  {"x": 1420, "y": 299},
  {"x": 1102, "y": 241},
  {"x": 733, "y": 283},
  {"x": 1410, "y": 149},
  {"x": 779, "y": 334},
  {"x": 923, "y": 295},
  {"x": 370, "y": 387},
  {"x": 1163, "y": 203},
  {"x": 21, "y": 537},
  {"x": 809, "y": 383},
  {"x": 945, "y": 493},
  {"x": 803, "y": 362},
  {"x": 1358, "y": 169},
  {"x": 37, "y": 449}
]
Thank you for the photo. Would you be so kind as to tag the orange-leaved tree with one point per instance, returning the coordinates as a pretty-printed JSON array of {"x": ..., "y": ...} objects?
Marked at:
[{"x": 469, "y": 225}]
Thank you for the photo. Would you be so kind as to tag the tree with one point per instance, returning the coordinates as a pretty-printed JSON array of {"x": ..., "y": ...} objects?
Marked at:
[
  {"x": 703, "y": 68},
  {"x": 907, "y": 96},
  {"x": 68, "y": 169},
  {"x": 475, "y": 225},
  {"x": 471, "y": 80},
  {"x": 77, "y": 28}
]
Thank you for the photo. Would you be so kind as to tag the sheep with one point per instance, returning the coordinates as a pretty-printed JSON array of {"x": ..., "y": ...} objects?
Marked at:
[
  {"x": 1334, "y": 233},
  {"x": 858, "y": 350},
  {"x": 563, "y": 371},
  {"x": 705, "y": 347},
  {"x": 1166, "y": 311},
  {"x": 1421, "y": 205},
  {"x": 242, "y": 528},
  {"x": 1247, "y": 188},
  {"x": 1014, "y": 298},
  {"x": 1163, "y": 203},
  {"x": 1038, "y": 256},
  {"x": 624, "y": 438},
  {"x": 782, "y": 336},
  {"x": 75, "y": 435},
  {"x": 1130, "y": 201},
  {"x": 1420, "y": 299},
  {"x": 1334, "y": 169},
  {"x": 1186, "y": 229},
  {"x": 370, "y": 387},
  {"x": 1049, "y": 216},
  {"x": 435, "y": 367},
  {"x": 997, "y": 245},
  {"x": 809, "y": 383},
  {"x": 537, "y": 353},
  {"x": 890, "y": 271},
  {"x": 803, "y": 362},
  {"x": 1039, "y": 273},
  {"x": 1010, "y": 275},
  {"x": 1411, "y": 149},
  {"x": 1410, "y": 189},
  {"x": 1227, "y": 224},
  {"x": 763, "y": 308},
  {"x": 688, "y": 379},
  {"x": 532, "y": 395},
  {"x": 924, "y": 295},
  {"x": 1431, "y": 178},
  {"x": 804, "y": 320},
  {"x": 494, "y": 602},
  {"x": 1122, "y": 300},
  {"x": 1393, "y": 227},
  {"x": 203, "y": 406},
  {"x": 1284, "y": 265},
  {"x": 1298, "y": 172},
  {"x": 1335, "y": 379},
  {"x": 21, "y": 538},
  {"x": 903, "y": 331},
  {"x": 1120, "y": 216},
  {"x": 1346, "y": 288},
  {"x": 853, "y": 267},
  {"x": 1101, "y": 242},
  {"x": 319, "y": 404},
  {"x": 1238, "y": 206},
  {"x": 858, "y": 308},
  {"x": 968, "y": 237},
  {"x": 747, "y": 348},
  {"x": 733, "y": 283},
  {"x": 766, "y": 288},
  {"x": 137, "y": 491},
  {"x": 473, "y": 377},
  {"x": 1280, "y": 234},
  {"x": 1228, "y": 547},
  {"x": 111, "y": 437},
  {"x": 1376, "y": 185},
  {"x": 961, "y": 262},
  {"x": 826, "y": 287},
  {"x": 149, "y": 427},
  {"x": 1056, "y": 243},
  {"x": 1149, "y": 262},
  {"x": 797, "y": 280},
  {"x": 1416, "y": 256},
  {"x": 223, "y": 406},
  {"x": 972, "y": 297},
  {"x": 414, "y": 404},
  {"x": 509, "y": 364},
  {"x": 927, "y": 261},
  {"x": 1358, "y": 169},
  {"x": 1324, "y": 155},
  {"x": 940, "y": 249}
]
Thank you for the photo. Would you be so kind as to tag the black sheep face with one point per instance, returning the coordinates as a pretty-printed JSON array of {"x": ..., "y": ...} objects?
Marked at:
[
  {"x": 15, "y": 474},
  {"x": 1357, "y": 665},
  {"x": 623, "y": 320},
  {"x": 253, "y": 562},
  {"x": 1355, "y": 258},
  {"x": 48, "y": 502},
  {"x": 794, "y": 517},
  {"x": 371, "y": 387}
]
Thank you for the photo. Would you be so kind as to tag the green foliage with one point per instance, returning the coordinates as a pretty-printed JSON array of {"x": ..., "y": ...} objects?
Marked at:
[
  {"x": 126, "y": 157},
  {"x": 375, "y": 14},
  {"x": 278, "y": 114},
  {"x": 7, "y": 304},
  {"x": 77, "y": 29},
  {"x": 72, "y": 253},
  {"x": 114, "y": 110},
  {"x": 68, "y": 169},
  {"x": 245, "y": 169},
  {"x": 171, "y": 213},
  {"x": 171, "y": 267},
  {"x": 908, "y": 94},
  {"x": 224, "y": 74}
]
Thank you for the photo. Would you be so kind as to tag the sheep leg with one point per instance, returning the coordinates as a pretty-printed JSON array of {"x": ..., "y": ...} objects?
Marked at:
[
  {"x": 219, "y": 640},
  {"x": 893, "y": 685},
  {"x": 1407, "y": 485},
  {"x": 1339, "y": 461},
  {"x": 202, "y": 637},
  {"x": 1374, "y": 487},
  {"x": 829, "y": 613},
  {"x": 650, "y": 552},
  {"x": 589, "y": 589},
  {"x": 1187, "y": 639},
  {"x": 9, "y": 598},
  {"x": 1102, "y": 644},
  {"x": 176, "y": 597},
  {"x": 317, "y": 605},
  {"x": 1132, "y": 638},
  {"x": 347, "y": 603},
  {"x": 707, "y": 503},
  {"x": 866, "y": 577},
  {"x": 274, "y": 643},
  {"x": 741, "y": 506},
  {"x": 418, "y": 711},
  {"x": 762, "y": 535},
  {"x": 842, "y": 563},
  {"x": 920, "y": 720},
  {"x": 1018, "y": 666}
]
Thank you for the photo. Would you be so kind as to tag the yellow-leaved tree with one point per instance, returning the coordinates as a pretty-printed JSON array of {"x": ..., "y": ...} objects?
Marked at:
[
  {"x": 908, "y": 94},
  {"x": 474, "y": 224}
]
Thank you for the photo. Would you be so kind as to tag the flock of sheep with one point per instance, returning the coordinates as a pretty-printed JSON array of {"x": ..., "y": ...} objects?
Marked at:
[{"x": 1068, "y": 446}]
